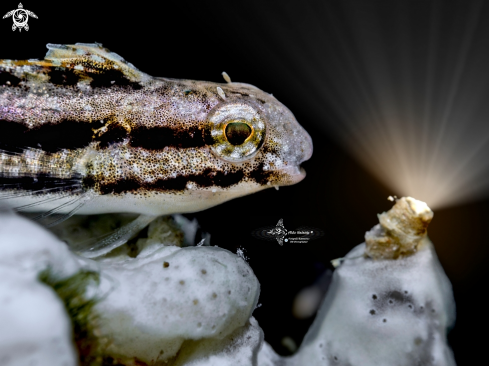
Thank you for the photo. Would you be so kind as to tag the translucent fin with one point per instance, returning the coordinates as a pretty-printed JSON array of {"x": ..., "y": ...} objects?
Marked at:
[
  {"x": 15, "y": 191},
  {"x": 92, "y": 57},
  {"x": 43, "y": 202},
  {"x": 68, "y": 65},
  {"x": 40, "y": 203},
  {"x": 32, "y": 180},
  {"x": 115, "y": 239},
  {"x": 54, "y": 210},
  {"x": 54, "y": 216}
]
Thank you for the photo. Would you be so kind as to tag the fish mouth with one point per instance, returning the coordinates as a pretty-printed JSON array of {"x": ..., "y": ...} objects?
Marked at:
[
  {"x": 298, "y": 177},
  {"x": 293, "y": 175}
]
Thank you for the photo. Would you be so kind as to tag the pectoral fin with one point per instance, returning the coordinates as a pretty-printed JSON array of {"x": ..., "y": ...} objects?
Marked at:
[{"x": 117, "y": 238}]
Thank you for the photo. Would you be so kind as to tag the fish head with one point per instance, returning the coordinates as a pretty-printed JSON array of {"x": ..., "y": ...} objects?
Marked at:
[{"x": 251, "y": 131}]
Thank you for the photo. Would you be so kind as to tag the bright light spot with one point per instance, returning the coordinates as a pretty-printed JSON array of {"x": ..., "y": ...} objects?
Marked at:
[
  {"x": 418, "y": 207},
  {"x": 411, "y": 94},
  {"x": 404, "y": 85}
]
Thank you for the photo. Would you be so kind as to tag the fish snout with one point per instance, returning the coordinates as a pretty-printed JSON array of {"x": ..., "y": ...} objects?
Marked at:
[
  {"x": 305, "y": 147},
  {"x": 299, "y": 150}
]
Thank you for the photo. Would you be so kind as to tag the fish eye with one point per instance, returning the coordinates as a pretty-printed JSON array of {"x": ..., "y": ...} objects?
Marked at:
[{"x": 235, "y": 131}]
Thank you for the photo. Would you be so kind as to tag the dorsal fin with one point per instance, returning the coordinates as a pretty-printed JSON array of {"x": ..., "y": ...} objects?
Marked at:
[
  {"x": 67, "y": 65},
  {"x": 93, "y": 58}
]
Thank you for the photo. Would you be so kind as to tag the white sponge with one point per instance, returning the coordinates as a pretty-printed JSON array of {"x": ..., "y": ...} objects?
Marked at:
[
  {"x": 383, "y": 312},
  {"x": 240, "y": 348},
  {"x": 172, "y": 295},
  {"x": 34, "y": 326}
]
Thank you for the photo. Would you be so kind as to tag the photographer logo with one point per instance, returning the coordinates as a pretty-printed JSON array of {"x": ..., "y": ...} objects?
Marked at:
[
  {"x": 279, "y": 233},
  {"x": 20, "y": 17}
]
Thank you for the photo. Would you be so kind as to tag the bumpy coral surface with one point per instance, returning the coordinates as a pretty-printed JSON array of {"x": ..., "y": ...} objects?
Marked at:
[{"x": 191, "y": 306}]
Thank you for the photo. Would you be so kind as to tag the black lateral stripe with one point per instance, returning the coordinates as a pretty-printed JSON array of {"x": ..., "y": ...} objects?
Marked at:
[
  {"x": 50, "y": 137},
  {"x": 63, "y": 76},
  {"x": 98, "y": 77},
  {"x": 6, "y": 78},
  {"x": 157, "y": 138},
  {"x": 38, "y": 183},
  {"x": 105, "y": 78},
  {"x": 208, "y": 178},
  {"x": 114, "y": 134},
  {"x": 205, "y": 179},
  {"x": 72, "y": 135},
  {"x": 260, "y": 176}
]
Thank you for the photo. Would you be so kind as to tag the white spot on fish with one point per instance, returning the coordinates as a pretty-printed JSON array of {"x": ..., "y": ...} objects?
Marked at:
[
  {"x": 221, "y": 92},
  {"x": 98, "y": 58}
]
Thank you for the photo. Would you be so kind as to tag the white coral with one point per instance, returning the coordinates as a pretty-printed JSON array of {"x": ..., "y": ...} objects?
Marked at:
[
  {"x": 34, "y": 325},
  {"x": 192, "y": 306},
  {"x": 172, "y": 295}
]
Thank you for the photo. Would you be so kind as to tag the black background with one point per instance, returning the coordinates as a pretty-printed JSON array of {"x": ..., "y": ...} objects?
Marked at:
[{"x": 261, "y": 43}]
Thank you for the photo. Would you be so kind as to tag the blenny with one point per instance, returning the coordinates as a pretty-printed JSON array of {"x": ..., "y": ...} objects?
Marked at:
[{"x": 83, "y": 131}]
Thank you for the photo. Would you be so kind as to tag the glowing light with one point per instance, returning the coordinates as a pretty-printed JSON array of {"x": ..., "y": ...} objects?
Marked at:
[
  {"x": 413, "y": 100},
  {"x": 404, "y": 85}
]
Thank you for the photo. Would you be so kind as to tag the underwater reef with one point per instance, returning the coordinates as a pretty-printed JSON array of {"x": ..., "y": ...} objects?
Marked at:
[{"x": 159, "y": 300}]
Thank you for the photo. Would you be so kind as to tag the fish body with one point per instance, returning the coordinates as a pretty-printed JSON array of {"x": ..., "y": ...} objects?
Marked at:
[{"x": 85, "y": 132}]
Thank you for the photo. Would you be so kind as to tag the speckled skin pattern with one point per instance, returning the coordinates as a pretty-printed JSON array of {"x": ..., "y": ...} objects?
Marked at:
[{"x": 84, "y": 122}]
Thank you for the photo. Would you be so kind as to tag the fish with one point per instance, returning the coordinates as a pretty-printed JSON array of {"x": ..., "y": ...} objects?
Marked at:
[{"x": 83, "y": 131}]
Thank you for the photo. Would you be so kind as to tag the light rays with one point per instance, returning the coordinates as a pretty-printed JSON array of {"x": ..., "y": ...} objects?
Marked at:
[
  {"x": 415, "y": 95},
  {"x": 408, "y": 82}
]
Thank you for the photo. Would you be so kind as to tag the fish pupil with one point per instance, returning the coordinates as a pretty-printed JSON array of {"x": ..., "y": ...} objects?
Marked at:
[{"x": 237, "y": 132}]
